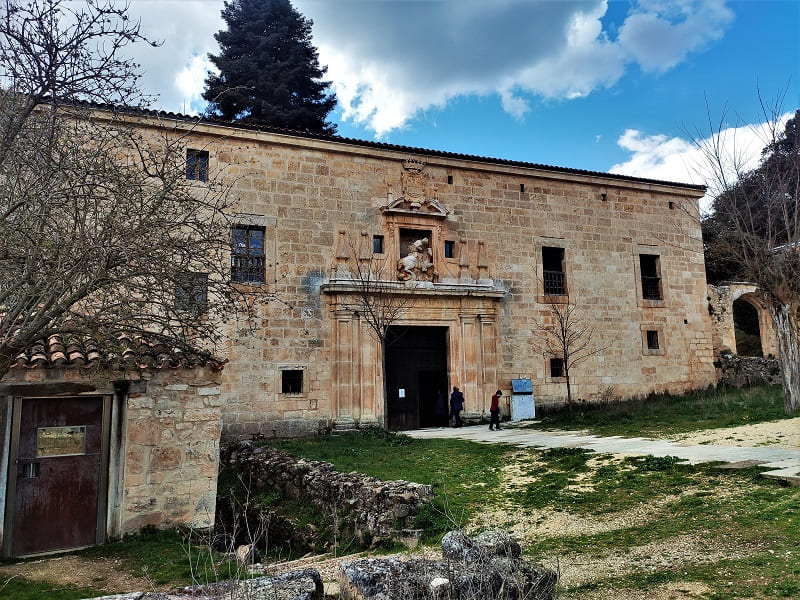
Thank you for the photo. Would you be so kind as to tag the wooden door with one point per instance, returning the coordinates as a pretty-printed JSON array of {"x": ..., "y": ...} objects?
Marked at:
[{"x": 55, "y": 483}]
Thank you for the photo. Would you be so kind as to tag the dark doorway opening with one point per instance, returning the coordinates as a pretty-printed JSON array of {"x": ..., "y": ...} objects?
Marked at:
[
  {"x": 746, "y": 329},
  {"x": 416, "y": 376}
]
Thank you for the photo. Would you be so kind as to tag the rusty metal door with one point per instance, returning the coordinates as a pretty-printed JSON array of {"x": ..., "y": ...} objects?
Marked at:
[{"x": 56, "y": 491}]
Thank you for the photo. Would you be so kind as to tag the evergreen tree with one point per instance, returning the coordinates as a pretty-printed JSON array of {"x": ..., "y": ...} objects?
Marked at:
[{"x": 269, "y": 72}]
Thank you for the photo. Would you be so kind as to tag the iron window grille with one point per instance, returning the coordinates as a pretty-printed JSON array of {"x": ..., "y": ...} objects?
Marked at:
[
  {"x": 651, "y": 277},
  {"x": 247, "y": 254},
  {"x": 197, "y": 165},
  {"x": 554, "y": 278}
]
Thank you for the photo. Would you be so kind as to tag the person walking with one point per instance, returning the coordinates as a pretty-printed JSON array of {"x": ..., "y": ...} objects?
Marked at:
[
  {"x": 456, "y": 406},
  {"x": 494, "y": 411}
]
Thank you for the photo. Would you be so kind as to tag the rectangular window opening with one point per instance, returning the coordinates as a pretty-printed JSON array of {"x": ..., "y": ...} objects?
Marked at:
[
  {"x": 652, "y": 340},
  {"x": 197, "y": 165},
  {"x": 377, "y": 244},
  {"x": 556, "y": 367},
  {"x": 553, "y": 271},
  {"x": 247, "y": 254},
  {"x": 449, "y": 180},
  {"x": 292, "y": 381},
  {"x": 650, "y": 268},
  {"x": 449, "y": 249},
  {"x": 522, "y": 188},
  {"x": 191, "y": 293}
]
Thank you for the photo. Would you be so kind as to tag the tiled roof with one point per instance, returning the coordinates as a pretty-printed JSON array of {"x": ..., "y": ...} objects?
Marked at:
[
  {"x": 131, "y": 353},
  {"x": 393, "y": 147}
]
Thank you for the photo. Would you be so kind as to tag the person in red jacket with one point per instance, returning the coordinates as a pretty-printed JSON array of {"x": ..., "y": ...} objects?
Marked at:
[{"x": 494, "y": 411}]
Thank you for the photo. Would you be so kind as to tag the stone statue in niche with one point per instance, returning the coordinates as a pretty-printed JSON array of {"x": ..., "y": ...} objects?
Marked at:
[{"x": 417, "y": 265}]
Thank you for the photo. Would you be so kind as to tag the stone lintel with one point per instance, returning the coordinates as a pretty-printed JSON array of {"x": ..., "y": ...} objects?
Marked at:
[{"x": 346, "y": 286}]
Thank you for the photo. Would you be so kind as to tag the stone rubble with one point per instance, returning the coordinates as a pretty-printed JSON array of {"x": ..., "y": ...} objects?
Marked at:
[{"x": 487, "y": 566}]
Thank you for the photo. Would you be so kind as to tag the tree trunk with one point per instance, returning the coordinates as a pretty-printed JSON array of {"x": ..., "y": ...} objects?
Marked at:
[
  {"x": 569, "y": 392},
  {"x": 785, "y": 319}
]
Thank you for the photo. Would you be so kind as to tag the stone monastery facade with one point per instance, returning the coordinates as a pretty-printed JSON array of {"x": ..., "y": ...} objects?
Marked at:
[{"x": 482, "y": 250}]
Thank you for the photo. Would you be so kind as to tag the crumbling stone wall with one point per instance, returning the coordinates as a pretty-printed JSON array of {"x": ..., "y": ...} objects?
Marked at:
[
  {"x": 365, "y": 506},
  {"x": 744, "y": 371}
]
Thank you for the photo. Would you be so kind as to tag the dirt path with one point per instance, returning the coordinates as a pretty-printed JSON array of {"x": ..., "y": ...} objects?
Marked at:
[{"x": 782, "y": 434}]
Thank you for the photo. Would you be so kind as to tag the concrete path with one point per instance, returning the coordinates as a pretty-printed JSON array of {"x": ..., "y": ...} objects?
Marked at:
[{"x": 783, "y": 463}]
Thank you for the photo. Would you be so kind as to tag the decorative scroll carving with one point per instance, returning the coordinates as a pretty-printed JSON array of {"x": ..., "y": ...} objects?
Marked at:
[{"x": 416, "y": 197}]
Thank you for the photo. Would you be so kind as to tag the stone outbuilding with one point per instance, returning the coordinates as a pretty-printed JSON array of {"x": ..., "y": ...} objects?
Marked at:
[{"x": 94, "y": 448}]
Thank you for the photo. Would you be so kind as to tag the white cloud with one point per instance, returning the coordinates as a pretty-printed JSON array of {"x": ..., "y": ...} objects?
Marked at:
[
  {"x": 392, "y": 60},
  {"x": 682, "y": 160}
]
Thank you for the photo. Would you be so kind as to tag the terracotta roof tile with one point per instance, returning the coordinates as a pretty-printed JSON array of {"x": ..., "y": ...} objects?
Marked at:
[{"x": 138, "y": 353}]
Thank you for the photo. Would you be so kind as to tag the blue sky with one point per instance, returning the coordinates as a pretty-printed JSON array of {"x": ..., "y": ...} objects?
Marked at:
[{"x": 587, "y": 84}]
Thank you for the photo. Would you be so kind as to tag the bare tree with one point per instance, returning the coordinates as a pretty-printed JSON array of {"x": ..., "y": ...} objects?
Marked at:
[
  {"x": 103, "y": 235},
  {"x": 566, "y": 337},
  {"x": 755, "y": 224},
  {"x": 377, "y": 296}
]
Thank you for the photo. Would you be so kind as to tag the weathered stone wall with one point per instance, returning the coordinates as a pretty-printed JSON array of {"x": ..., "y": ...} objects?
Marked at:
[
  {"x": 720, "y": 309},
  {"x": 364, "y": 506},
  {"x": 744, "y": 371},
  {"x": 304, "y": 191},
  {"x": 171, "y": 432}
]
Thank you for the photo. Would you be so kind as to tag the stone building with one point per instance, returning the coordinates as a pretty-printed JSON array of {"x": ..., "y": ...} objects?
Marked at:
[
  {"x": 92, "y": 450},
  {"x": 482, "y": 250}
]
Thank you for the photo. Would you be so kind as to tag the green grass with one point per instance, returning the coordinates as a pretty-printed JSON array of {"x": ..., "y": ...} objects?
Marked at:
[
  {"x": 663, "y": 414},
  {"x": 19, "y": 588},
  {"x": 165, "y": 557},
  {"x": 464, "y": 476}
]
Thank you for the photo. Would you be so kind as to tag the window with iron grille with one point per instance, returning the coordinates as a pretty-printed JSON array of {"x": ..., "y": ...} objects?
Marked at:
[
  {"x": 191, "y": 293},
  {"x": 555, "y": 282},
  {"x": 197, "y": 165},
  {"x": 292, "y": 381},
  {"x": 247, "y": 254},
  {"x": 556, "y": 367},
  {"x": 650, "y": 269}
]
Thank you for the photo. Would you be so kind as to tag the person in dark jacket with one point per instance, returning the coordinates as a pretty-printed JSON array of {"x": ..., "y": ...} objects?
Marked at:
[
  {"x": 494, "y": 411},
  {"x": 456, "y": 406}
]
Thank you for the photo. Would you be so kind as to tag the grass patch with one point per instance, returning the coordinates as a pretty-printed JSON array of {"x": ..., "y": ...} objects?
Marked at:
[
  {"x": 662, "y": 415},
  {"x": 19, "y": 588}
]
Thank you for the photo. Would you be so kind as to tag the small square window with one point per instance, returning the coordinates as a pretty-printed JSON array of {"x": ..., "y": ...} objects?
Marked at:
[
  {"x": 652, "y": 339},
  {"x": 292, "y": 381},
  {"x": 556, "y": 367},
  {"x": 377, "y": 244},
  {"x": 197, "y": 165},
  {"x": 449, "y": 249},
  {"x": 191, "y": 294}
]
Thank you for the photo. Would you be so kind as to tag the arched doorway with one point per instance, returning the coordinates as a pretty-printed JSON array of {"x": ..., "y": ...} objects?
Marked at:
[{"x": 746, "y": 322}]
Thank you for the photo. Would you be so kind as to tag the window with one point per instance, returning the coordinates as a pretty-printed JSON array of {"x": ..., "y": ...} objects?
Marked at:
[
  {"x": 377, "y": 244},
  {"x": 247, "y": 254},
  {"x": 521, "y": 188},
  {"x": 556, "y": 367},
  {"x": 292, "y": 381},
  {"x": 650, "y": 269},
  {"x": 449, "y": 180},
  {"x": 449, "y": 249},
  {"x": 197, "y": 165},
  {"x": 652, "y": 339},
  {"x": 191, "y": 294},
  {"x": 553, "y": 271}
]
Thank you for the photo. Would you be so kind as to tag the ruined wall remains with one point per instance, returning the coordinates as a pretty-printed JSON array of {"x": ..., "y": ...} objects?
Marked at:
[{"x": 364, "y": 506}]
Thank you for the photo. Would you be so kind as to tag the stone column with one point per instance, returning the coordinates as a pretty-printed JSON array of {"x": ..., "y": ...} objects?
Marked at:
[
  {"x": 343, "y": 365},
  {"x": 470, "y": 362}
]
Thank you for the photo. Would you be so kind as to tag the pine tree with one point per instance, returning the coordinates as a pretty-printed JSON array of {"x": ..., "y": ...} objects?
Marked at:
[{"x": 269, "y": 72}]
